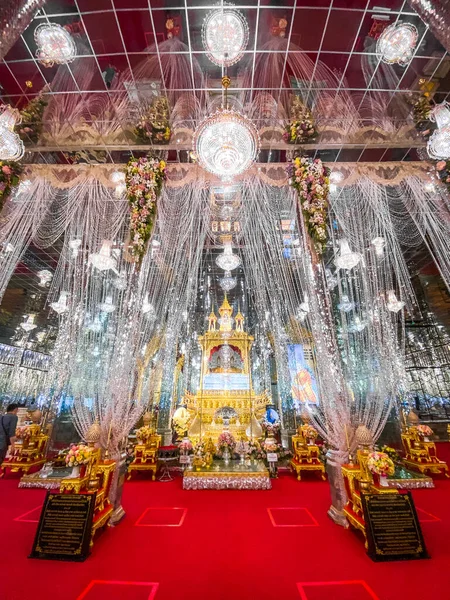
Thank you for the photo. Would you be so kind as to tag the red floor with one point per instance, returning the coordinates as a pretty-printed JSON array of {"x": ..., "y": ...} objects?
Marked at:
[{"x": 223, "y": 545}]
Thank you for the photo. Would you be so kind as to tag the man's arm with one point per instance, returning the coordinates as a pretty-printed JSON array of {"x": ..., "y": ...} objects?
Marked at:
[{"x": 12, "y": 431}]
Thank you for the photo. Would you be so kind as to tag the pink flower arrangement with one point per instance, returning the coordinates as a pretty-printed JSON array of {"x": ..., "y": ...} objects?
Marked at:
[
  {"x": 380, "y": 464},
  {"x": 79, "y": 454},
  {"x": 424, "y": 430},
  {"x": 144, "y": 179},
  {"x": 9, "y": 178},
  {"x": 270, "y": 428},
  {"x": 185, "y": 446},
  {"x": 311, "y": 179},
  {"x": 225, "y": 440}
]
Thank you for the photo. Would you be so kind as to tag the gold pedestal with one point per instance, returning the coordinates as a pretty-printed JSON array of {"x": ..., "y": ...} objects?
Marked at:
[
  {"x": 421, "y": 455},
  {"x": 306, "y": 456},
  {"x": 146, "y": 456},
  {"x": 30, "y": 452}
]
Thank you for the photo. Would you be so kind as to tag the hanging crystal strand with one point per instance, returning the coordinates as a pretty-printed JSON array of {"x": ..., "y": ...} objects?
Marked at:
[
  {"x": 437, "y": 16},
  {"x": 15, "y": 16}
]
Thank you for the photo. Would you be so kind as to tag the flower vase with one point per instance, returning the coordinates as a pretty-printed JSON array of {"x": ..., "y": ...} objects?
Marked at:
[
  {"x": 226, "y": 456},
  {"x": 383, "y": 481},
  {"x": 75, "y": 472}
]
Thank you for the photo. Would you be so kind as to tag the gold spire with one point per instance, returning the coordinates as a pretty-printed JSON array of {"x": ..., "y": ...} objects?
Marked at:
[{"x": 225, "y": 309}]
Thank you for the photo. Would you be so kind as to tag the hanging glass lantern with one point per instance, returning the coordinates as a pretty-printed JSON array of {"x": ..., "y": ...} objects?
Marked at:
[
  {"x": 392, "y": 303},
  {"x": 60, "y": 306},
  {"x": 397, "y": 44},
  {"x": 379, "y": 243},
  {"x": 357, "y": 325},
  {"x": 103, "y": 261},
  {"x": 74, "y": 245},
  {"x": 438, "y": 146},
  {"x": 227, "y": 282},
  {"x": 29, "y": 324},
  {"x": 55, "y": 45},
  {"x": 107, "y": 306},
  {"x": 345, "y": 304},
  {"x": 331, "y": 279},
  {"x": 11, "y": 146},
  {"x": 45, "y": 277},
  {"x": 346, "y": 259}
]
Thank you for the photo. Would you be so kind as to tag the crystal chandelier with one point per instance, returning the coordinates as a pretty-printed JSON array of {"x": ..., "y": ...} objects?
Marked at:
[
  {"x": 225, "y": 36},
  {"x": 346, "y": 259},
  {"x": 392, "y": 303},
  {"x": 438, "y": 146},
  {"x": 55, "y": 45},
  {"x": 379, "y": 243},
  {"x": 11, "y": 146},
  {"x": 107, "y": 306},
  {"x": 226, "y": 143},
  {"x": 397, "y": 43},
  {"x": 29, "y": 324},
  {"x": 45, "y": 276},
  {"x": 227, "y": 282},
  {"x": 345, "y": 304},
  {"x": 103, "y": 261},
  {"x": 60, "y": 306},
  {"x": 227, "y": 260}
]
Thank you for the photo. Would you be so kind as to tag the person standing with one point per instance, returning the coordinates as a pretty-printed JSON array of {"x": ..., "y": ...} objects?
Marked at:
[{"x": 8, "y": 424}]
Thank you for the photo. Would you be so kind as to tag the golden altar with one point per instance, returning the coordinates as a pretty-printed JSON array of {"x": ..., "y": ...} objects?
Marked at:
[
  {"x": 306, "y": 453},
  {"x": 146, "y": 454},
  {"x": 420, "y": 453},
  {"x": 30, "y": 450},
  {"x": 225, "y": 390}
]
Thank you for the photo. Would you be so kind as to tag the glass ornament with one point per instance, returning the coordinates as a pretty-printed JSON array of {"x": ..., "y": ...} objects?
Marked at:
[
  {"x": 438, "y": 146},
  {"x": 103, "y": 261},
  {"x": 357, "y": 325},
  {"x": 227, "y": 282},
  {"x": 60, "y": 306},
  {"x": 29, "y": 324},
  {"x": 392, "y": 303},
  {"x": 225, "y": 36},
  {"x": 379, "y": 243},
  {"x": 331, "y": 279},
  {"x": 45, "y": 276},
  {"x": 107, "y": 306},
  {"x": 226, "y": 144},
  {"x": 11, "y": 146},
  {"x": 346, "y": 259},
  {"x": 227, "y": 260},
  {"x": 74, "y": 245},
  {"x": 96, "y": 325},
  {"x": 397, "y": 43},
  {"x": 55, "y": 45},
  {"x": 345, "y": 304}
]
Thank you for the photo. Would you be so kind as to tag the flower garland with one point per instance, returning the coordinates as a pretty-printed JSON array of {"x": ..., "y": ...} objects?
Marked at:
[
  {"x": 380, "y": 464},
  {"x": 144, "y": 179},
  {"x": 30, "y": 127},
  {"x": 154, "y": 126},
  {"x": 424, "y": 430},
  {"x": 301, "y": 127},
  {"x": 9, "y": 178},
  {"x": 311, "y": 179},
  {"x": 224, "y": 442},
  {"x": 79, "y": 454}
]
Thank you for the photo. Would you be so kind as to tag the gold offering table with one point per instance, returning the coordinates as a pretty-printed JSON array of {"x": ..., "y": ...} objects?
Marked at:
[
  {"x": 233, "y": 475},
  {"x": 420, "y": 453},
  {"x": 306, "y": 452},
  {"x": 30, "y": 450}
]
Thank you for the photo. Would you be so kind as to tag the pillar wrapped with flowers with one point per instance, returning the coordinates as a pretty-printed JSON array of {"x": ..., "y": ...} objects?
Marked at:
[{"x": 144, "y": 181}]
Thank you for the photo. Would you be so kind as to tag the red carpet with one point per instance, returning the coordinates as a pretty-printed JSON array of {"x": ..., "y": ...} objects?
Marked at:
[{"x": 223, "y": 545}]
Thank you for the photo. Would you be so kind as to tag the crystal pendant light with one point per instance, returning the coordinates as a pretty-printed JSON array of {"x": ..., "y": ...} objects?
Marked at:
[
  {"x": 61, "y": 305},
  {"x": 226, "y": 143},
  {"x": 392, "y": 303},
  {"x": 397, "y": 43},
  {"x": 55, "y": 45},
  {"x": 45, "y": 276},
  {"x": 74, "y": 245},
  {"x": 29, "y": 324},
  {"x": 225, "y": 36},
  {"x": 227, "y": 282},
  {"x": 357, "y": 325},
  {"x": 345, "y": 304},
  {"x": 379, "y": 243},
  {"x": 103, "y": 261},
  {"x": 96, "y": 325},
  {"x": 438, "y": 146},
  {"x": 11, "y": 146},
  {"x": 331, "y": 279},
  {"x": 107, "y": 306},
  {"x": 346, "y": 259},
  {"x": 227, "y": 260}
]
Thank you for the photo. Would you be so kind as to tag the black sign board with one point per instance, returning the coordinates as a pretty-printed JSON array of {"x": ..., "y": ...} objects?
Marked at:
[
  {"x": 392, "y": 528},
  {"x": 65, "y": 526}
]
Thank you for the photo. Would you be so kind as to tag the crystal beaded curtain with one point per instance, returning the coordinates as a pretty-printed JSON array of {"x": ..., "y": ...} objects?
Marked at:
[{"x": 436, "y": 14}]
